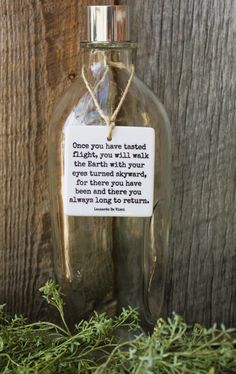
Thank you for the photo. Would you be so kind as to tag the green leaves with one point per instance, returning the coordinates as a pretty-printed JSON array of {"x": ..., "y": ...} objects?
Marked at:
[
  {"x": 52, "y": 294},
  {"x": 1, "y": 344},
  {"x": 96, "y": 345}
]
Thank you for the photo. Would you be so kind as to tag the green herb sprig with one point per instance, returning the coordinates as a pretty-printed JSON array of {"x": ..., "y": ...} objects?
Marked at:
[{"x": 95, "y": 346}]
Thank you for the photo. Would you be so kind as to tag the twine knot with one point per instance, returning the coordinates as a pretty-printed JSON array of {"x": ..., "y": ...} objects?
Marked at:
[{"x": 110, "y": 129}]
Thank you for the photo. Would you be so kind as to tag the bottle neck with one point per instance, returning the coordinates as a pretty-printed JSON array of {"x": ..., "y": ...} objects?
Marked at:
[
  {"x": 108, "y": 55},
  {"x": 106, "y": 73}
]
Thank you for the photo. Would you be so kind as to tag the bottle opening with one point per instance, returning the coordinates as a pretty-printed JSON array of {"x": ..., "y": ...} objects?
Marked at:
[{"x": 108, "y": 45}]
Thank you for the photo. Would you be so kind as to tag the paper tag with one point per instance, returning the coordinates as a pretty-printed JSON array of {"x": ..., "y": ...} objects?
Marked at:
[{"x": 109, "y": 178}]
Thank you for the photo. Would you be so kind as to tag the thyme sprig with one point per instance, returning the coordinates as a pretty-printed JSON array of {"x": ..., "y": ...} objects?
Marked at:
[{"x": 95, "y": 346}]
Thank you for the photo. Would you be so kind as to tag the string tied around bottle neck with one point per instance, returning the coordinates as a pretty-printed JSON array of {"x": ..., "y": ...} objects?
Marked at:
[{"x": 109, "y": 120}]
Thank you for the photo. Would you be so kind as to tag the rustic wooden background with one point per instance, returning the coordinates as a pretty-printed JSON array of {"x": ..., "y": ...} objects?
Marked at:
[
  {"x": 187, "y": 55},
  {"x": 39, "y": 53}
]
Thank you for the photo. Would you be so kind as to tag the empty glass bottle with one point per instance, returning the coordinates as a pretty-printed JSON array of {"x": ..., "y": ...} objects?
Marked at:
[{"x": 107, "y": 263}]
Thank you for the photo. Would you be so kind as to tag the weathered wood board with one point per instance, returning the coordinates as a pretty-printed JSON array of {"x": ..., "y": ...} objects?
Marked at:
[
  {"x": 187, "y": 55},
  {"x": 39, "y": 49}
]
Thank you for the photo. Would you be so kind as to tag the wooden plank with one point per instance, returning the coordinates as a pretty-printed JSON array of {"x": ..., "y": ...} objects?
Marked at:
[
  {"x": 191, "y": 67},
  {"x": 187, "y": 55},
  {"x": 39, "y": 50}
]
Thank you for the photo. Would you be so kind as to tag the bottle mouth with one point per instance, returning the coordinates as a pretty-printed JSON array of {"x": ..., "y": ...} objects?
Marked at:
[{"x": 108, "y": 24}]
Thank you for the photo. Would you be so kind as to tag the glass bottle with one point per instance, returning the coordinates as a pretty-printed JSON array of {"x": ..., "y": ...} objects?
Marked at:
[{"x": 107, "y": 263}]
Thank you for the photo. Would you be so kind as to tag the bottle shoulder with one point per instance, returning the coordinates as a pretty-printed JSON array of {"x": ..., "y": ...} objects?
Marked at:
[
  {"x": 65, "y": 103},
  {"x": 141, "y": 106},
  {"x": 153, "y": 103}
]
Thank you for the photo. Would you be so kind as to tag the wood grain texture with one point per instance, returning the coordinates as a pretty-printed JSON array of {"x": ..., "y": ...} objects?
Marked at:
[
  {"x": 39, "y": 50},
  {"x": 187, "y": 55}
]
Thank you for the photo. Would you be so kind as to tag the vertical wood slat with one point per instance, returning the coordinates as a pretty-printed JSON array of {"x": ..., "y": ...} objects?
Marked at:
[
  {"x": 39, "y": 46},
  {"x": 187, "y": 55}
]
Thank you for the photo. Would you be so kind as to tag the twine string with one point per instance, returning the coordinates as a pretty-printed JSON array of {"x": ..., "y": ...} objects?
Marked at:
[{"x": 109, "y": 120}]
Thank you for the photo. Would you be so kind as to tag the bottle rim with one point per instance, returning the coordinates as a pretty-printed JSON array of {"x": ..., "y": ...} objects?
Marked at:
[{"x": 108, "y": 45}]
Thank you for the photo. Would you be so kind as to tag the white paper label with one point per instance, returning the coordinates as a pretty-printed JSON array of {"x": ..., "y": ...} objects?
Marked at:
[{"x": 109, "y": 178}]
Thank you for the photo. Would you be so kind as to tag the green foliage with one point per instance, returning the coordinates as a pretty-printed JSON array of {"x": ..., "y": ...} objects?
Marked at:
[{"x": 95, "y": 346}]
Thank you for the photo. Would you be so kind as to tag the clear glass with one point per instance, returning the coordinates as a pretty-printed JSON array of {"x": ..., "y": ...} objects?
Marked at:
[{"x": 110, "y": 263}]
